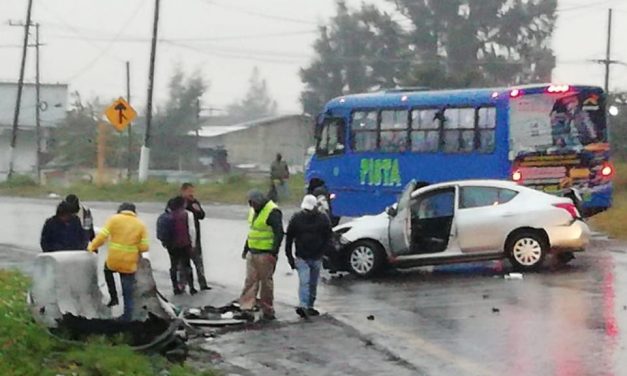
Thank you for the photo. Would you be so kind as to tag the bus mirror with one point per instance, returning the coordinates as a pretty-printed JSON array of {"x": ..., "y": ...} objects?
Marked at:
[{"x": 391, "y": 211}]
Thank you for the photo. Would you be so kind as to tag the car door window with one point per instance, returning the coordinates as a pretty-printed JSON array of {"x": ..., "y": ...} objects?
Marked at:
[
  {"x": 474, "y": 197},
  {"x": 434, "y": 205}
]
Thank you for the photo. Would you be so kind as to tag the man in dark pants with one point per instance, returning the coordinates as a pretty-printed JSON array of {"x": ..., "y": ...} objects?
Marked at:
[
  {"x": 311, "y": 231},
  {"x": 191, "y": 204},
  {"x": 260, "y": 252}
]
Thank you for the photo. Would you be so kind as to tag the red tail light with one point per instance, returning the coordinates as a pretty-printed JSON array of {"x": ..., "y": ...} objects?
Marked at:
[
  {"x": 570, "y": 208},
  {"x": 517, "y": 176},
  {"x": 607, "y": 171}
]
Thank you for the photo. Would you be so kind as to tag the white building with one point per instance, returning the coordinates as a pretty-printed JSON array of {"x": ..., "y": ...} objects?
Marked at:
[{"x": 53, "y": 104}]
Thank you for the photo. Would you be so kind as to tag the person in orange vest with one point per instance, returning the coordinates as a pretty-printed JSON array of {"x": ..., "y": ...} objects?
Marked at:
[{"x": 128, "y": 238}]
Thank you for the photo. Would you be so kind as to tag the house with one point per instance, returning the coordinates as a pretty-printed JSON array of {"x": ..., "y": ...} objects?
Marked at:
[
  {"x": 53, "y": 103},
  {"x": 254, "y": 144}
]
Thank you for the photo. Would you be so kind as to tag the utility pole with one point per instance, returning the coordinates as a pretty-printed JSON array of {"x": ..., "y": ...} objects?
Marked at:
[
  {"x": 37, "y": 106},
  {"x": 144, "y": 158},
  {"x": 130, "y": 132},
  {"x": 608, "y": 53},
  {"x": 20, "y": 84}
]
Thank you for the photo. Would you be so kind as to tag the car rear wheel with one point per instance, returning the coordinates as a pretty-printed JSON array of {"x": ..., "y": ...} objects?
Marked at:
[
  {"x": 365, "y": 258},
  {"x": 527, "y": 250}
]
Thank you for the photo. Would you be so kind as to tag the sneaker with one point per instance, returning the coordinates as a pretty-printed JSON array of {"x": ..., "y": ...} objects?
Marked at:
[
  {"x": 313, "y": 312},
  {"x": 205, "y": 288},
  {"x": 193, "y": 291},
  {"x": 178, "y": 291},
  {"x": 244, "y": 315},
  {"x": 302, "y": 312},
  {"x": 113, "y": 302}
]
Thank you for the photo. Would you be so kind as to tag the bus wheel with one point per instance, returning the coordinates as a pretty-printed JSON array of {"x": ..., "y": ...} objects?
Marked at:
[
  {"x": 365, "y": 258},
  {"x": 527, "y": 250}
]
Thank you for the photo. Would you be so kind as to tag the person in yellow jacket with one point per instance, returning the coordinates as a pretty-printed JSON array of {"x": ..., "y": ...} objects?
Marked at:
[
  {"x": 260, "y": 252},
  {"x": 128, "y": 238}
]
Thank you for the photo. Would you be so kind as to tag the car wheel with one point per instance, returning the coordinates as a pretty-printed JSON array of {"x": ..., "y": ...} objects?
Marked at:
[
  {"x": 365, "y": 258},
  {"x": 527, "y": 250}
]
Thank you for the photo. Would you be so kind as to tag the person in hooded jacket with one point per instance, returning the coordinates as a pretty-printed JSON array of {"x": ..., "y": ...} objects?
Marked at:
[
  {"x": 311, "y": 231},
  {"x": 63, "y": 231}
]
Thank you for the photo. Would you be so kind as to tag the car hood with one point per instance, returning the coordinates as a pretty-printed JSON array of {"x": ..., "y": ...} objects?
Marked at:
[{"x": 380, "y": 219}]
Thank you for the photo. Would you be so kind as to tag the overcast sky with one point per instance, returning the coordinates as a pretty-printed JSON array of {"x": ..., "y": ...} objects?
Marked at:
[{"x": 87, "y": 43}]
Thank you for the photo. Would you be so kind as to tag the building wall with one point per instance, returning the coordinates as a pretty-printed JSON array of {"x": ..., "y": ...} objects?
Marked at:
[
  {"x": 290, "y": 136},
  {"x": 52, "y": 96},
  {"x": 25, "y": 152}
]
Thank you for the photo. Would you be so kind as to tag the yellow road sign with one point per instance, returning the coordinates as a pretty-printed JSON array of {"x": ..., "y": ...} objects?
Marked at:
[{"x": 120, "y": 114}]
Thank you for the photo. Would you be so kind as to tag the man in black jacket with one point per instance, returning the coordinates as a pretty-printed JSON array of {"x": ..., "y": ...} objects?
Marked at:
[
  {"x": 63, "y": 232},
  {"x": 311, "y": 231},
  {"x": 192, "y": 205}
]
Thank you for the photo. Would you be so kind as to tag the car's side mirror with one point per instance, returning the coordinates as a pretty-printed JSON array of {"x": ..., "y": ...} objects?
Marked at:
[{"x": 391, "y": 211}]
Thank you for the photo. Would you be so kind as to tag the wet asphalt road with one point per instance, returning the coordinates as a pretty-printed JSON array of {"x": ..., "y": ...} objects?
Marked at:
[{"x": 454, "y": 320}]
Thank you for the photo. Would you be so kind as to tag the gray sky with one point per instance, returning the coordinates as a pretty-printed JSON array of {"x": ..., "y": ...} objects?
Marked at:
[{"x": 88, "y": 42}]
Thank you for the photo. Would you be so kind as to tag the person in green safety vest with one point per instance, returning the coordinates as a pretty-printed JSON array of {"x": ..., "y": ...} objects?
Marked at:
[{"x": 260, "y": 252}]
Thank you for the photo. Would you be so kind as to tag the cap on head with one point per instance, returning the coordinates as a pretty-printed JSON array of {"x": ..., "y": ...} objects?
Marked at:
[
  {"x": 255, "y": 196},
  {"x": 309, "y": 202},
  {"x": 127, "y": 206},
  {"x": 73, "y": 202}
]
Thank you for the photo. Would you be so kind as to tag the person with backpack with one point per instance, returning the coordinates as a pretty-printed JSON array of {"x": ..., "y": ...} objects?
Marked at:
[
  {"x": 84, "y": 215},
  {"x": 177, "y": 233}
]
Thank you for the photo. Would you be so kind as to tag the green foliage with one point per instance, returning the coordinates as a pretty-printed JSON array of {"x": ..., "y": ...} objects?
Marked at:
[
  {"x": 613, "y": 220},
  {"x": 438, "y": 44},
  {"x": 19, "y": 181},
  {"x": 172, "y": 146},
  {"x": 256, "y": 104},
  {"x": 26, "y": 349}
]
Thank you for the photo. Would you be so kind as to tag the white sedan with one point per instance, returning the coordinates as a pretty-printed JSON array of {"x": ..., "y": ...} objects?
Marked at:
[{"x": 462, "y": 221}]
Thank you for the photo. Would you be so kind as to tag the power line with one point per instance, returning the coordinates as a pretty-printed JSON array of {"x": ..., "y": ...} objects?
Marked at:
[{"x": 259, "y": 14}]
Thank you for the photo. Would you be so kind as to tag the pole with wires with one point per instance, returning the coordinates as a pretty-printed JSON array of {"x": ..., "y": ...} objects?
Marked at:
[
  {"x": 18, "y": 99},
  {"x": 144, "y": 157},
  {"x": 37, "y": 106},
  {"x": 129, "y": 158}
]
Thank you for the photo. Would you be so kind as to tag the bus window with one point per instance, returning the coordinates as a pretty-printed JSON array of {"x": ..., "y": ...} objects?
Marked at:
[
  {"x": 459, "y": 130},
  {"x": 425, "y": 132},
  {"x": 364, "y": 130},
  {"x": 393, "y": 131},
  {"x": 331, "y": 140},
  {"x": 486, "y": 124}
]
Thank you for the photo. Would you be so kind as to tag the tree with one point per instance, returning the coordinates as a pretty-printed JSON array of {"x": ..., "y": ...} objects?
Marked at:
[
  {"x": 174, "y": 145},
  {"x": 433, "y": 43},
  {"x": 256, "y": 104}
]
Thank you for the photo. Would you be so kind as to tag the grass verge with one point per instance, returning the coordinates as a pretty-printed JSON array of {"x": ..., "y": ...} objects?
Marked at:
[
  {"x": 27, "y": 349},
  {"x": 230, "y": 190},
  {"x": 614, "y": 220}
]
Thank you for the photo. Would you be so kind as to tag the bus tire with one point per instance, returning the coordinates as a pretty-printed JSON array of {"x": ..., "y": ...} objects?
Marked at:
[
  {"x": 526, "y": 250},
  {"x": 365, "y": 258}
]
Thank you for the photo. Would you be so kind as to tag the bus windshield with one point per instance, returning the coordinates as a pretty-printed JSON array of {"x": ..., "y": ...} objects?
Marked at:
[{"x": 552, "y": 122}]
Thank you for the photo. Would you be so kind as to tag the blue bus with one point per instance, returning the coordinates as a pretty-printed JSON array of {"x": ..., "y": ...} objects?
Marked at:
[{"x": 550, "y": 137}]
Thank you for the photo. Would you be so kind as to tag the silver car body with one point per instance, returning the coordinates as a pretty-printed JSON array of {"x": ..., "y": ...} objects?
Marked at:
[{"x": 477, "y": 232}]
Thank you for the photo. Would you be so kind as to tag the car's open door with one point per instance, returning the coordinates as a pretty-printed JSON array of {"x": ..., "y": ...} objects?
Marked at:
[{"x": 400, "y": 223}]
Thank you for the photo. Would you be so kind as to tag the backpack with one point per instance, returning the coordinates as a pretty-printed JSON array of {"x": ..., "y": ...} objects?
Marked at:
[{"x": 165, "y": 228}]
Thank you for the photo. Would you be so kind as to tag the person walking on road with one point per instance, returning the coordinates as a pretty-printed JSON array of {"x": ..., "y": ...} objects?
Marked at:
[
  {"x": 63, "y": 231},
  {"x": 260, "y": 252},
  {"x": 84, "y": 215},
  {"x": 128, "y": 238},
  {"x": 311, "y": 231},
  {"x": 176, "y": 230},
  {"x": 192, "y": 205},
  {"x": 279, "y": 174}
]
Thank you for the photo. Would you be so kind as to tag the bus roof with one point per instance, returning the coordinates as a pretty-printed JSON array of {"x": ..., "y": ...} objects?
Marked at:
[{"x": 401, "y": 98}]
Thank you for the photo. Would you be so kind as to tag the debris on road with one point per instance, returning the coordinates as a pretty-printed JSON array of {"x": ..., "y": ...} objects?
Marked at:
[
  {"x": 370, "y": 317},
  {"x": 517, "y": 276},
  {"x": 495, "y": 310}
]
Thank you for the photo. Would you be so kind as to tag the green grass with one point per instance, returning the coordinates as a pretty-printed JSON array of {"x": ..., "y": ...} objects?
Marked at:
[
  {"x": 231, "y": 190},
  {"x": 27, "y": 349},
  {"x": 614, "y": 221}
]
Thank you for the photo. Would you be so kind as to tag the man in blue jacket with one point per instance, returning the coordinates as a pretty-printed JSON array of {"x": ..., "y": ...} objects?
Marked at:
[{"x": 63, "y": 232}]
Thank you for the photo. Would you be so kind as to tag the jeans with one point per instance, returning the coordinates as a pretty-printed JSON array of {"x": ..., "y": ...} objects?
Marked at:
[
  {"x": 196, "y": 257},
  {"x": 308, "y": 275},
  {"x": 128, "y": 290},
  {"x": 180, "y": 268}
]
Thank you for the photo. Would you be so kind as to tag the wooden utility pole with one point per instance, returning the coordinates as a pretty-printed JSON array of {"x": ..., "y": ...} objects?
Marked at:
[
  {"x": 20, "y": 84},
  {"x": 129, "y": 160},
  {"x": 37, "y": 106},
  {"x": 144, "y": 158}
]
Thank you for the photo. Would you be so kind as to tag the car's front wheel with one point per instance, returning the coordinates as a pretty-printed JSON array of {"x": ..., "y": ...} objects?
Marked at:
[
  {"x": 527, "y": 250},
  {"x": 365, "y": 258}
]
